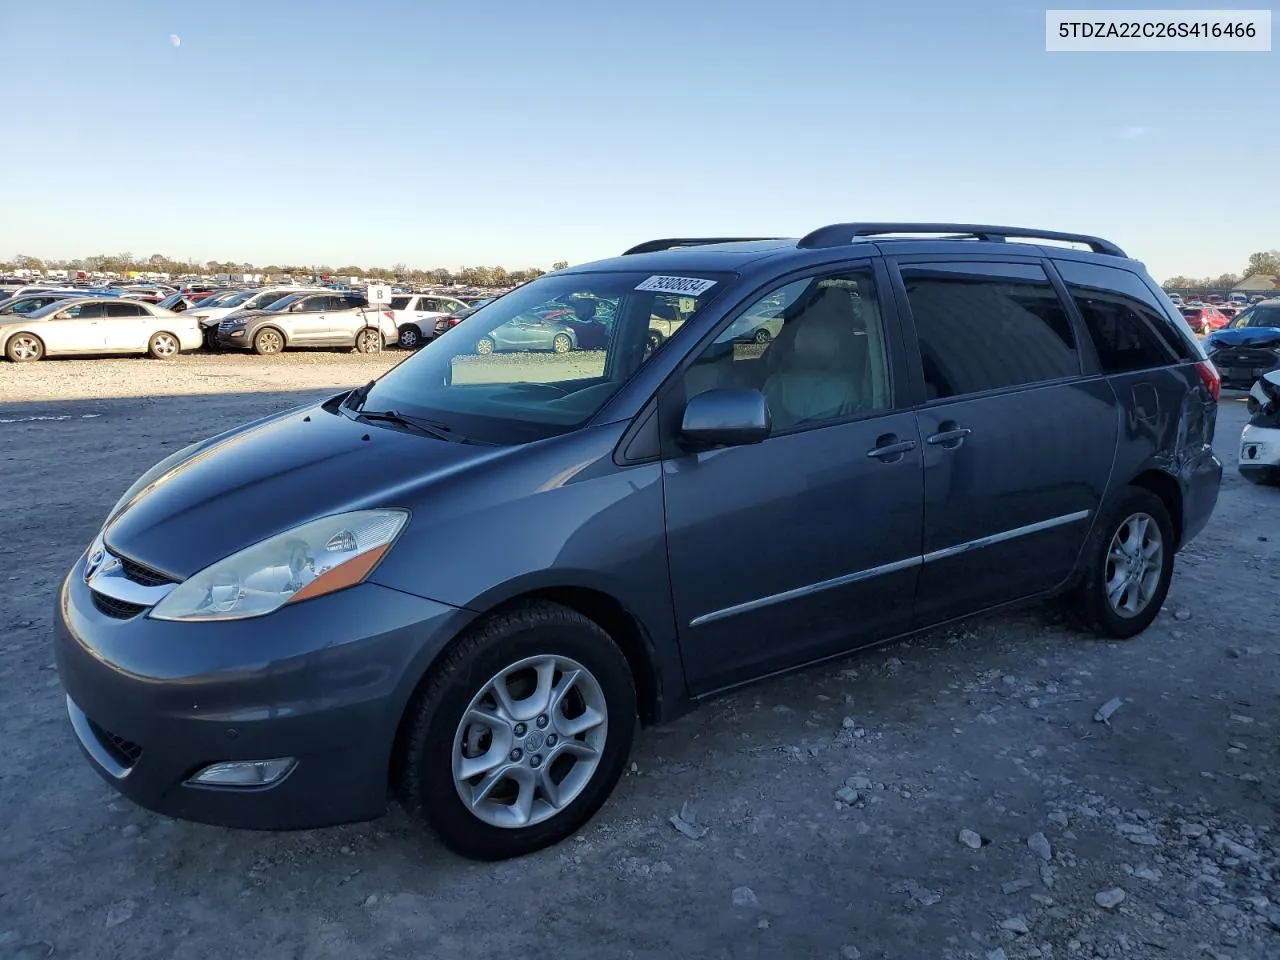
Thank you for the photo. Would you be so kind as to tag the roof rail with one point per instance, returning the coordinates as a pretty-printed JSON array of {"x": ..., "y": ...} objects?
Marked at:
[
  {"x": 651, "y": 246},
  {"x": 836, "y": 234}
]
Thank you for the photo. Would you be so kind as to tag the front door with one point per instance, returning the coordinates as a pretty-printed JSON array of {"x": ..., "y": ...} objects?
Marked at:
[
  {"x": 310, "y": 321},
  {"x": 77, "y": 329},
  {"x": 806, "y": 544},
  {"x": 1018, "y": 444}
]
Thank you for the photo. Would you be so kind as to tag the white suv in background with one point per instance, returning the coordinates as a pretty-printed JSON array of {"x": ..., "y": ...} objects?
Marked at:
[
  {"x": 209, "y": 317},
  {"x": 416, "y": 315}
]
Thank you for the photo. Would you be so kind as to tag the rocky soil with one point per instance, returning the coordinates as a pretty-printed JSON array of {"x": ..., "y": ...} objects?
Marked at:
[{"x": 1005, "y": 789}]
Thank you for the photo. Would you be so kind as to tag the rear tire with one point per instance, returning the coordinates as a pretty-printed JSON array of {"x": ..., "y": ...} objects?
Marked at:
[
  {"x": 268, "y": 342},
  {"x": 164, "y": 346},
  {"x": 410, "y": 337},
  {"x": 762, "y": 336},
  {"x": 369, "y": 340},
  {"x": 1115, "y": 567},
  {"x": 562, "y": 343},
  {"x": 24, "y": 348},
  {"x": 437, "y": 735}
]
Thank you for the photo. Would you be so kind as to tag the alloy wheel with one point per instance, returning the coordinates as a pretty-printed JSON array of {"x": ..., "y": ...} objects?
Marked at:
[
  {"x": 1135, "y": 564},
  {"x": 530, "y": 741}
]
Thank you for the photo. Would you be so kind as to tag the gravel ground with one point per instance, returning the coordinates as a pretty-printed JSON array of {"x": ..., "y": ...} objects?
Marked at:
[{"x": 950, "y": 796}]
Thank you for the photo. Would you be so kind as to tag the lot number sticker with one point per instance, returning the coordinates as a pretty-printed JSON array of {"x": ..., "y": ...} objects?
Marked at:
[{"x": 685, "y": 286}]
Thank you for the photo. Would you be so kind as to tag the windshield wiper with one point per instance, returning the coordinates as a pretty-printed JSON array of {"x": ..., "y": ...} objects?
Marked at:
[
  {"x": 355, "y": 399},
  {"x": 432, "y": 428}
]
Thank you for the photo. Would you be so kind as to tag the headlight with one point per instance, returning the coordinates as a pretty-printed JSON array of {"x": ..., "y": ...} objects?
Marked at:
[{"x": 308, "y": 561}]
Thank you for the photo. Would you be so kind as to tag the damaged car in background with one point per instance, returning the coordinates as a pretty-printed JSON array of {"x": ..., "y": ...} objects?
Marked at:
[
  {"x": 1260, "y": 441},
  {"x": 1249, "y": 346}
]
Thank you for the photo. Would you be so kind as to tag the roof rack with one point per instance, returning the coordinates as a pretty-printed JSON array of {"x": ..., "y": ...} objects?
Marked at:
[
  {"x": 651, "y": 246},
  {"x": 836, "y": 234}
]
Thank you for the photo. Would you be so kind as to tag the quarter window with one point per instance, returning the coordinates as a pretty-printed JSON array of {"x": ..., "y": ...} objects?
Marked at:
[
  {"x": 985, "y": 326},
  {"x": 814, "y": 347}
]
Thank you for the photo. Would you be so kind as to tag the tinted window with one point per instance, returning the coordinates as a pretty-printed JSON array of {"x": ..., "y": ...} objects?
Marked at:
[
  {"x": 86, "y": 311},
  {"x": 1123, "y": 331},
  {"x": 985, "y": 326},
  {"x": 125, "y": 310},
  {"x": 313, "y": 305},
  {"x": 400, "y": 303},
  {"x": 820, "y": 358},
  {"x": 1112, "y": 280}
]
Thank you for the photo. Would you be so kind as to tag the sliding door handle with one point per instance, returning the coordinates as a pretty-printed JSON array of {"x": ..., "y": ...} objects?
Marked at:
[{"x": 889, "y": 449}]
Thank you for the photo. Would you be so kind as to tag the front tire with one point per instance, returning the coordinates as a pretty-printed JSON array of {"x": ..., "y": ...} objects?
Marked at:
[
  {"x": 762, "y": 336},
  {"x": 268, "y": 342},
  {"x": 562, "y": 343},
  {"x": 1130, "y": 565},
  {"x": 484, "y": 346},
  {"x": 163, "y": 346},
  {"x": 24, "y": 348},
  {"x": 519, "y": 736}
]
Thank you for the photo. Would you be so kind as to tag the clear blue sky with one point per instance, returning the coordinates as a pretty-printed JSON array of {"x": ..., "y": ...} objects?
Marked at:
[{"x": 442, "y": 133}]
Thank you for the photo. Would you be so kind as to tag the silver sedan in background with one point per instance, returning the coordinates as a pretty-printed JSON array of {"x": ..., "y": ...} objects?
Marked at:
[{"x": 98, "y": 325}]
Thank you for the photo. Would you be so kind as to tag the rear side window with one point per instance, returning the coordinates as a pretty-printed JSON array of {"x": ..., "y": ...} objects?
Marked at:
[
  {"x": 1145, "y": 325},
  {"x": 400, "y": 303},
  {"x": 987, "y": 326}
]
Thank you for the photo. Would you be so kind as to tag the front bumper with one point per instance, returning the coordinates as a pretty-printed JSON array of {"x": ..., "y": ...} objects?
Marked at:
[
  {"x": 1260, "y": 451},
  {"x": 326, "y": 681},
  {"x": 235, "y": 338}
]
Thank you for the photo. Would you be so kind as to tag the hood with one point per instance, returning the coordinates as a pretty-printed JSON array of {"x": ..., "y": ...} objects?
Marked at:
[
  {"x": 1244, "y": 337},
  {"x": 271, "y": 477}
]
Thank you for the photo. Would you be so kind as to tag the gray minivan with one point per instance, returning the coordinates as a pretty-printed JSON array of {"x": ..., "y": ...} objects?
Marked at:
[{"x": 465, "y": 583}]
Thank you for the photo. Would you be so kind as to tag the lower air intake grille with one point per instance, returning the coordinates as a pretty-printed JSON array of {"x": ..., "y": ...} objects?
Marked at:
[{"x": 119, "y": 609}]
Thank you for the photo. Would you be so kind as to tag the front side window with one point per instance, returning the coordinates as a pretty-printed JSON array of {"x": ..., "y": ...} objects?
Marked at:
[
  {"x": 537, "y": 362},
  {"x": 84, "y": 311},
  {"x": 986, "y": 326},
  {"x": 815, "y": 348}
]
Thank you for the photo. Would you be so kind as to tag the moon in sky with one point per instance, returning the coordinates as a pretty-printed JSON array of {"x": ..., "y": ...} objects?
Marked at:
[{"x": 175, "y": 40}]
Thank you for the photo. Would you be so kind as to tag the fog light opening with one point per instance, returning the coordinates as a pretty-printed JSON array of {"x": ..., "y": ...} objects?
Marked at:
[{"x": 245, "y": 773}]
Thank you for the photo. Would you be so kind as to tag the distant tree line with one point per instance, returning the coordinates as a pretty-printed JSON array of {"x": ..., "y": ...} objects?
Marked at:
[
  {"x": 1263, "y": 264},
  {"x": 124, "y": 263}
]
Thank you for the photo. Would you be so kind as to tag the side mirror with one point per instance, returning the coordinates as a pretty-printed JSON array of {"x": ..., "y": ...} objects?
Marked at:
[{"x": 726, "y": 418}]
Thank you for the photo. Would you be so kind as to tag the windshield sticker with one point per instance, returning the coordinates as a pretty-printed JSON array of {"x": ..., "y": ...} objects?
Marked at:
[{"x": 687, "y": 286}]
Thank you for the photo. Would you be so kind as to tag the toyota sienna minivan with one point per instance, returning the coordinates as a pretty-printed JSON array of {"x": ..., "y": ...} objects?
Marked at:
[{"x": 466, "y": 584}]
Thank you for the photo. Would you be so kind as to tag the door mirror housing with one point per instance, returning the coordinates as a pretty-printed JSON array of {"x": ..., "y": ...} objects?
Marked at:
[{"x": 726, "y": 418}]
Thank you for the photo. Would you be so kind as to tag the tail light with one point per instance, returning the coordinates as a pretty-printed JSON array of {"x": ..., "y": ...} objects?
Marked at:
[
  {"x": 1210, "y": 377},
  {"x": 388, "y": 314}
]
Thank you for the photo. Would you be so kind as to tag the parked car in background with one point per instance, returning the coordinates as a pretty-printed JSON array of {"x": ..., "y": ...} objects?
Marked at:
[
  {"x": 450, "y": 321},
  {"x": 97, "y": 325},
  {"x": 326, "y": 319},
  {"x": 416, "y": 316},
  {"x": 1203, "y": 318},
  {"x": 1260, "y": 441},
  {"x": 242, "y": 301},
  {"x": 558, "y": 326},
  {"x": 1249, "y": 346},
  {"x": 31, "y": 302}
]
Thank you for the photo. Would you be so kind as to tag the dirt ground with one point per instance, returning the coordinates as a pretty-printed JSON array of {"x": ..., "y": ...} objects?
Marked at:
[{"x": 833, "y": 800}]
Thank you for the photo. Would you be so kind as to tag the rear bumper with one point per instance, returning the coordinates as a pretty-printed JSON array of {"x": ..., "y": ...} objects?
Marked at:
[
  {"x": 152, "y": 703},
  {"x": 1204, "y": 480}
]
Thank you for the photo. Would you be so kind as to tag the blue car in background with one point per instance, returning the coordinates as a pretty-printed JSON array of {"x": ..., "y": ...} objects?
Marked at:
[{"x": 1248, "y": 346}]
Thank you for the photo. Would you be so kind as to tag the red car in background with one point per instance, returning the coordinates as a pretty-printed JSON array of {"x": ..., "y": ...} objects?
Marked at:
[{"x": 1204, "y": 319}]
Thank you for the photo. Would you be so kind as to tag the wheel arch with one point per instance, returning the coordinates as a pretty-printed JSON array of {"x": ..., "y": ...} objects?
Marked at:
[
  {"x": 1167, "y": 488},
  {"x": 253, "y": 334}
]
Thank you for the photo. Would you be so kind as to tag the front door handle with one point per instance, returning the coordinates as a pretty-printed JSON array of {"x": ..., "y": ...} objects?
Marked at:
[
  {"x": 949, "y": 438},
  {"x": 889, "y": 449}
]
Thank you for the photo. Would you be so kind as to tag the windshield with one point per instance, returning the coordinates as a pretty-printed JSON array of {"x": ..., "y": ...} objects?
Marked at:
[
  {"x": 234, "y": 300},
  {"x": 1258, "y": 316},
  {"x": 543, "y": 359},
  {"x": 52, "y": 308}
]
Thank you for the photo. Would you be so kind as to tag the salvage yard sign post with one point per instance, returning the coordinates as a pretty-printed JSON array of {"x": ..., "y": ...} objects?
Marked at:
[{"x": 379, "y": 296}]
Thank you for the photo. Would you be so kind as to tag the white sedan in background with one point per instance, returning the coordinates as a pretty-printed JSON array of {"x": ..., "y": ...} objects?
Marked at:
[{"x": 98, "y": 325}]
